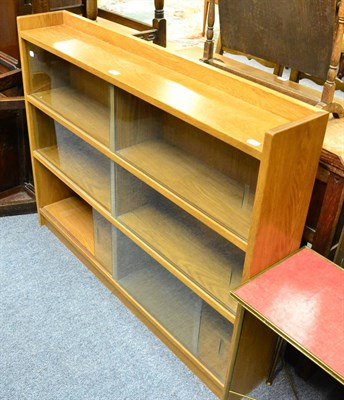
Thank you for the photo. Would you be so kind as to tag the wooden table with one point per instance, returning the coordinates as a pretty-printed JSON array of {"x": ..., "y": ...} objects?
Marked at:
[{"x": 302, "y": 300}]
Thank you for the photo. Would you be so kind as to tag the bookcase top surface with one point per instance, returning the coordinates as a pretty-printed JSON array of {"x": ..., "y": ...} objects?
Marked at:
[{"x": 228, "y": 107}]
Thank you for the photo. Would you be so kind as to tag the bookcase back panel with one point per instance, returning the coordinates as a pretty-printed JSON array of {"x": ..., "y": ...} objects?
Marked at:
[
  {"x": 214, "y": 153},
  {"x": 58, "y": 190},
  {"x": 136, "y": 121}
]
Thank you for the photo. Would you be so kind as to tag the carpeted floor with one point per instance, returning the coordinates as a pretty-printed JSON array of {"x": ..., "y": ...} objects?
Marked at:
[{"x": 63, "y": 335}]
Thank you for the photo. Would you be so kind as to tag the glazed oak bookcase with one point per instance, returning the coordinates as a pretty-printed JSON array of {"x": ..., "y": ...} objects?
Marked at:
[{"x": 172, "y": 181}]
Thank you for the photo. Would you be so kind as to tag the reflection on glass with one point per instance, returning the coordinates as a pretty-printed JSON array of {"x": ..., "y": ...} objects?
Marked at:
[
  {"x": 86, "y": 167},
  {"x": 205, "y": 257},
  {"x": 76, "y": 95},
  {"x": 193, "y": 323},
  {"x": 102, "y": 240}
]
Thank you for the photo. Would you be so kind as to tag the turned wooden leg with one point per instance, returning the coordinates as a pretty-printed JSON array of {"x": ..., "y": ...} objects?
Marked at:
[
  {"x": 91, "y": 7},
  {"x": 208, "y": 52},
  {"x": 330, "y": 86},
  {"x": 159, "y": 23}
]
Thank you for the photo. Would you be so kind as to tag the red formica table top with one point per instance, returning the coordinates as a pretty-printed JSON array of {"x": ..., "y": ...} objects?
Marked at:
[{"x": 302, "y": 299}]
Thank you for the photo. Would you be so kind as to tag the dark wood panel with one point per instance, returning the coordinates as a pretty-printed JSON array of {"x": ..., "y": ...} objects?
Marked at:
[
  {"x": 9, "y": 157},
  {"x": 8, "y": 28},
  {"x": 294, "y": 33}
]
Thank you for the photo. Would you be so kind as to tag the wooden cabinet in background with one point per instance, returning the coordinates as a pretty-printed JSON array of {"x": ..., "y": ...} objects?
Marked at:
[
  {"x": 325, "y": 221},
  {"x": 16, "y": 182}
]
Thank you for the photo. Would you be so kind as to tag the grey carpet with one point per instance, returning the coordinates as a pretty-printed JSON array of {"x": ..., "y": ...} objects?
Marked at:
[{"x": 63, "y": 335}]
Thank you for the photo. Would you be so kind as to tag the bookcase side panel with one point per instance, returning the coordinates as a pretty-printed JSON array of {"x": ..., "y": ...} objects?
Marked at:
[{"x": 284, "y": 190}]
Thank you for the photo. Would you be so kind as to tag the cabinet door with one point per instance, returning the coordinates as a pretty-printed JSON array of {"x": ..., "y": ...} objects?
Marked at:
[
  {"x": 71, "y": 94},
  {"x": 196, "y": 326},
  {"x": 209, "y": 264},
  {"x": 75, "y": 161},
  {"x": 210, "y": 179}
]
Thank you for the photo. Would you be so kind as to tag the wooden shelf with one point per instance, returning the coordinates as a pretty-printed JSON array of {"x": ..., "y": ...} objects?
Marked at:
[
  {"x": 204, "y": 257},
  {"x": 84, "y": 112},
  {"x": 206, "y": 190},
  {"x": 89, "y": 173},
  {"x": 74, "y": 217}
]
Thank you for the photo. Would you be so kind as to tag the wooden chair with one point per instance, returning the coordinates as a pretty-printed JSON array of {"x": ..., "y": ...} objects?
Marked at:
[
  {"x": 300, "y": 34},
  {"x": 205, "y": 14},
  {"x": 156, "y": 32}
]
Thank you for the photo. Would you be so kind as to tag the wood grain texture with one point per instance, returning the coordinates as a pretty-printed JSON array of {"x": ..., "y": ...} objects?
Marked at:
[
  {"x": 282, "y": 198},
  {"x": 339, "y": 255},
  {"x": 103, "y": 240},
  {"x": 57, "y": 189},
  {"x": 8, "y": 32},
  {"x": 80, "y": 110},
  {"x": 48, "y": 113},
  {"x": 61, "y": 214},
  {"x": 330, "y": 211},
  {"x": 176, "y": 308},
  {"x": 72, "y": 92},
  {"x": 44, "y": 128},
  {"x": 135, "y": 120},
  {"x": 193, "y": 363},
  {"x": 203, "y": 260},
  {"x": 254, "y": 355},
  {"x": 210, "y": 151},
  {"x": 154, "y": 76},
  {"x": 83, "y": 226},
  {"x": 75, "y": 217}
]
